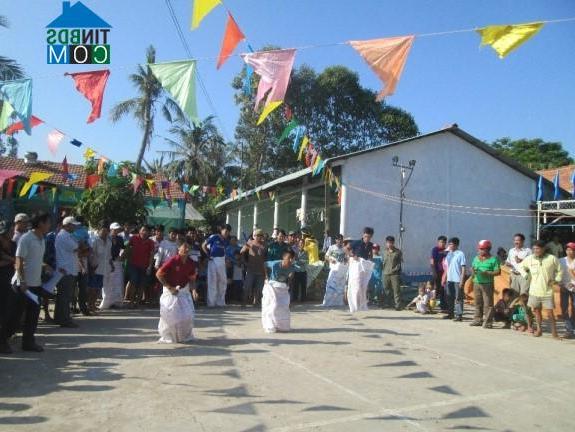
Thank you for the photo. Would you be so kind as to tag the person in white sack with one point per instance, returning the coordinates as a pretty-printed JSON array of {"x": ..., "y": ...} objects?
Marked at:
[
  {"x": 215, "y": 248},
  {"x": 178, "y": 276},
  {"x": 359, "y": 274},
  {"x": 336, "y": 280},
  {"x": 113, "y": 291},
  {"x": 276, "y": 295}
]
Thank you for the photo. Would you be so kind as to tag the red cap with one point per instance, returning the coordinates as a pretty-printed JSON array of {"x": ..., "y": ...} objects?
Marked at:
[
  {"x": 570, "y": 245},
  {"x": 484, "y": 244},
  {"x": 375, "y": 246}
]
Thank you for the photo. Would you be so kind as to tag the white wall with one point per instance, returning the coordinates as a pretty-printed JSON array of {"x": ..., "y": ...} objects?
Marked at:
[{"x": 448, "y": 170}]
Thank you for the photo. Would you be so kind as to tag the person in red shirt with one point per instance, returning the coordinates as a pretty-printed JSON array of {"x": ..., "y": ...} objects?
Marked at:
[
  {"x": 140, "y": 264},
  {"x": 178, "y": 276}
]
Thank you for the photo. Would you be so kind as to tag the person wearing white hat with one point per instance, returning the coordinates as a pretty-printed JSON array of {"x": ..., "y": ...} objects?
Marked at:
[
  {"x": 67, "y": 264},
  {"x": 113, "y": 291},
  {"x": 21, "y": 222}
]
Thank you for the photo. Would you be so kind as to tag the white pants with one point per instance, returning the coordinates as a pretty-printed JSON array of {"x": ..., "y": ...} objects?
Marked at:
[
  {"x": 217, "y": 282},
  {"x": 275, "y": 307},
  {"x": 176, "y": 316},
  {"x": 113, "y": 290},
  {"x": 359, "y": 275}
]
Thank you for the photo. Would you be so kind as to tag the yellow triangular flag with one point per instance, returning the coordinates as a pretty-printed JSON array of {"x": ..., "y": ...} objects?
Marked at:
[
  {"x": 268, "y": 109},
  {"x": 506, "y": 38},
  {"x": 201, "y": 9},
  {"x": 35, "y": 177},
  {"x": 304, "y": 143},
  {"x": 89, "y": 153},
  {"x": 5, "y": 114}
]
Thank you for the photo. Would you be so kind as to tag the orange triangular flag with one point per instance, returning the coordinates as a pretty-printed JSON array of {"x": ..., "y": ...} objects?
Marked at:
[
  {"x": 232, "y": 37},
  {"x": 386, "y": 57}
]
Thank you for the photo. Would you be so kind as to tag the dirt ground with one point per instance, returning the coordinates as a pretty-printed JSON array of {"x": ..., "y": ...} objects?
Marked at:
[{"x": 380, "y": 370}]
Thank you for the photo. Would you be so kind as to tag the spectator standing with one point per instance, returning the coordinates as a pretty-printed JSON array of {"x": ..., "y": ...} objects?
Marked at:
[
  {"x": 254, "y": 252},
  {"x": 277, "y": 247},
  {"x": 392, "y": 259},
  {"x": 7, "y": 252},
  {"x": 299, "y": 290},
  {"x": 544, "y": 274},
  {"x": 101, "y": 264},
  {"x": 438, "y": 254},
  {"x": 515, "y": 257},
  {"x": 484, "y": 268},
  {"x": 141, "y": 262},
  {"x": 114, "y": 284},
  {"x": 455, "y": 279},
  {"x": 28, "y": 265},
  {"x": 21, "y": 222},
  {"x": 375, "y": 287},
  {"x": 555, "y": 248},
  {"x": 215, "y": 247},
  {"x": 568, "y": 290},
  {"x": 67, "y": 263}
]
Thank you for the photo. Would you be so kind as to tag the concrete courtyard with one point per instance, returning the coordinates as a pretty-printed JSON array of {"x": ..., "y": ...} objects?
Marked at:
[{"x": 376, "y": 371}]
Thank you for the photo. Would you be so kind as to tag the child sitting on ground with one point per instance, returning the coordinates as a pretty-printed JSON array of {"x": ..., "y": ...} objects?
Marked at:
[
  {"x": 503, "y": 312},
  {"x": 421, "y": 302},
  {"x": 521, "y": 316}
]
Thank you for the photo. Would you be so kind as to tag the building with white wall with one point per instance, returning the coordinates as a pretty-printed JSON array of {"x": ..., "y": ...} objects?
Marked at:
[{"x": 459, "y": 187}]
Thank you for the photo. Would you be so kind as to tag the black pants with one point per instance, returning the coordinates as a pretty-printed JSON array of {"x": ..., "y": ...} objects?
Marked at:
[
  {"x": 83, "y": 292},
  {"x": 18, "y": 305},
  {"x": 64, "y": 299},
  {"x": 299, "y": 286}
]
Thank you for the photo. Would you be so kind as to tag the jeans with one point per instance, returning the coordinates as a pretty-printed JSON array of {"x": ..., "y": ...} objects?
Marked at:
[
  {"x": 18, "y": 305},
  {"x": 253, "y": 285},
  {"x": 454, "y": 299},
  {"x": 64, "y": 298},
  {"x": 565, "y": 311}
]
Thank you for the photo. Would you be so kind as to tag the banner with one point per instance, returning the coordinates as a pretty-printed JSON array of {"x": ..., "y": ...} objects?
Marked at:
[
  {"x": 92, "y": 85},
  {"x": 506, "y": 38}
]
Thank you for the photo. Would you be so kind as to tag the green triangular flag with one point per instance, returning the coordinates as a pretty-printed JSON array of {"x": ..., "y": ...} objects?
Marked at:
[
  {"x": 290, "y": 126},
  {"x": 5, "y": 114},
  {"x": 179, "y": 79}
]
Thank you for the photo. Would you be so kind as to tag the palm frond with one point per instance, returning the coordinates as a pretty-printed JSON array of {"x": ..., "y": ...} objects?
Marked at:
[
  {"x": 123, "y": 108},
  {"x": 9, "y": 69}
]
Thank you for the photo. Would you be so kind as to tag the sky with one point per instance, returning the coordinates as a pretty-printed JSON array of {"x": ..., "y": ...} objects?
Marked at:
[{"x": 447, "y": 79}]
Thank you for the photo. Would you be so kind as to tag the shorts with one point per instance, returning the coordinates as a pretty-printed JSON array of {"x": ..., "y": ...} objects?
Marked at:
[
  {"x": 137, "y": 276},
  {"x": 541, "y": 302},
  {"x": 96, "y": 281}
]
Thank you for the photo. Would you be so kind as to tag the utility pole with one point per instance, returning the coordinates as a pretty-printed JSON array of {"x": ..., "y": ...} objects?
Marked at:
[{"x": 406, "y": 173}]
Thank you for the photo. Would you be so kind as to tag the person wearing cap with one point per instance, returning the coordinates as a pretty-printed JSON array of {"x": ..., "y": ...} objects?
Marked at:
[
  {"x": 392, "y": 259},
  {"x": 21, "y": 222},
  {"x": 101, "y": 265},
  {"x": 375, "y": 287},
  {"x": 66, "y": 263},
  {"x": 255, "y": 253},
  {"x": 568, "y": 290},
  {"x": 113, "y": 292},
  {"x": 484, "y": 268},
  {"x": 28, "y": 266},
  {"x": 544, "y": 273},
  {"x": 215, "y": 247}
]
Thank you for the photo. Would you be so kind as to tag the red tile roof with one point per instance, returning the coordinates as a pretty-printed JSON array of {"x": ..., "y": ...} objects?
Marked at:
[
  {"x": 565, "y": 173},
  {"x": 78, "y": 170}
]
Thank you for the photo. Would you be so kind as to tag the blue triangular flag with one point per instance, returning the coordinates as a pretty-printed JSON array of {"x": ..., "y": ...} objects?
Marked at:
[
  {"x": 556, "y": 186},
  {"x": 19, "y": 94},
  {"x": 33, "y": 190},
  {"x": 76, "y": 143},
  {"x": 539, "y": 196}
]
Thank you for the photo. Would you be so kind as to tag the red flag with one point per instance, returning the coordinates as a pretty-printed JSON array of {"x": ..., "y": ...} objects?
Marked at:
[
  {"x": 92, "y": 181},
  {"x": 65, "y": 172},
  {"x": 16, "y": 127},
  {"x": 232, "y": 37},
  {"x": 92, "y": 85}
]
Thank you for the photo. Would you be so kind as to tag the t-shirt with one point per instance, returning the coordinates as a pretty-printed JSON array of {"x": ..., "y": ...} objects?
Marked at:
[
  {"x": 67, "y": 252},
  {"x": 177, "y": 272},
  {"x": 255, "y": 263},
  {"x": 276, "y": 251},
  {"x": 117, "y": 246},
  {"x": 166, "y": 250},
  {"x": 489, "y": 264},
  {"x": 278, "y": 273},
  {"x": 336, "y": 252},
  {"x": 362, "y": 249},
  {"x": 455, "y": 260},
  {"x": 542, "y": 272},
  {"x": 141, "y": 250},
  {"x": 568, "y": 280},
  {"x": 217, "y": 246},
  {"x": 437, "y": 255},
  {"x": 31, "y": 248}
]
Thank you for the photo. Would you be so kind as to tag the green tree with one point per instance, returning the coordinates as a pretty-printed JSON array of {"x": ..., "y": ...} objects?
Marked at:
[
  {"x": 112, "y": 200},
  {"x": 535, "y": 154},
  {"x": 340, "y": 116},
  {"x": 143, "y": 106}
]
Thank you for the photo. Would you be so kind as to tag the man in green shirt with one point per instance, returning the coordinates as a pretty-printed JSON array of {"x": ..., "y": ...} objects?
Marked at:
[
  {"x": 484, "y": 268},
  {"x": 392, "y": 259},
  {"x": 544, "y": 274}
]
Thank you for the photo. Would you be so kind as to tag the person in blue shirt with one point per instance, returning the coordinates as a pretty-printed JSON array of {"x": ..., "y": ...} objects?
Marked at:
[
  {"x": 375, "y": 286},
  {"x": 276, "y": 296},
  {"x": 215, "y": 248}
]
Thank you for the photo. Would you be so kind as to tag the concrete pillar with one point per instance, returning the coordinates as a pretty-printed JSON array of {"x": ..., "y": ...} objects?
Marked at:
[
  {"x": 342, "y": 211},
  {"x": 276, "y": 211},
  {"x": 303, "y": 207},
  {"x": 255, "y": 215},
  {"x": 239, "y": 233}
]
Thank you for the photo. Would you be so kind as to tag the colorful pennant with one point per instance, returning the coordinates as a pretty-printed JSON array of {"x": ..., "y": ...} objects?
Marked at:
[
  {"x": 386, "y": 57},
  {"x": 76, "y": 143},
  {"x": 92, "y": 85},
  {"x": 19, "y": 94},
  {"x": 6, "y": 174},
  {"x": 18, "y": 126},
  {"x": 201, "y": 9},
  {"x": 89, "y": 153},
  {"x": 54, "y": 139},
  {"x": 179, "y": 79},
  {"x": 35, "y": 177},
  {"x": 5, "y": 115},
  {"x": 232, "y": 37},
  {"x": 506, "y": 38}
]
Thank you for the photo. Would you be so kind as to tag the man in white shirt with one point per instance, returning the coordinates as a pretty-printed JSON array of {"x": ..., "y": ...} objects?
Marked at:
[
  {"x": 67, "y": 264},
  {"x": 29, "y": 263},
  {"x": 456, "y": 265},
  {"x": 168, "y": 248},
  {"x": 515, "y": 256},
  {"x": 101, "y": 265},
  {"x": 21, "y": 222}
]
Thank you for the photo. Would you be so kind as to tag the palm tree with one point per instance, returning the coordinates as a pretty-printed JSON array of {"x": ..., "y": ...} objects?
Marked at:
[
  {"x": 199, "y": 153},
  {"x": 9, "y": 69},
  {"x": 156, "y": 166},
  {"x": 143, "y": 107}
]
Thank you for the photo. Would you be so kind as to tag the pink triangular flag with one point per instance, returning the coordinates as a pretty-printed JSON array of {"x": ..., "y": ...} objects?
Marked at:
[{"x": 54, "y": 139}]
